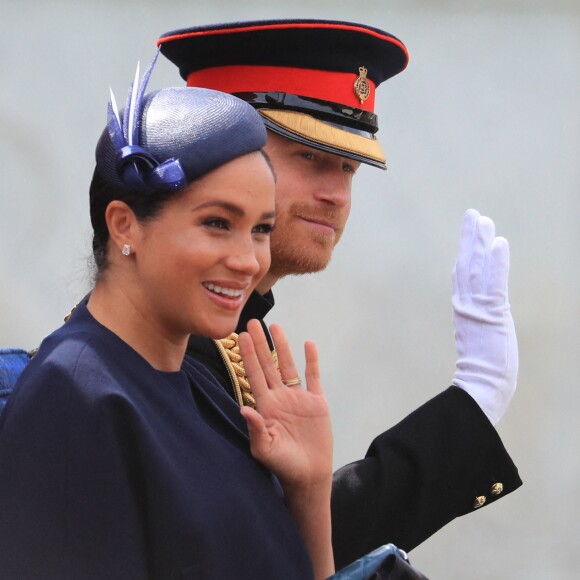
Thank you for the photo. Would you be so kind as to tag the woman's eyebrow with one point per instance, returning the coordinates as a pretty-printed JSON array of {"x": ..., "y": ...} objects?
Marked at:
[{"x": 232, "y": 208}]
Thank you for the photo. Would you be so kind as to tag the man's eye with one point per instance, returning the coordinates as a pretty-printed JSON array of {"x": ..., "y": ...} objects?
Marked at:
[{"x": 307, "y": 155}]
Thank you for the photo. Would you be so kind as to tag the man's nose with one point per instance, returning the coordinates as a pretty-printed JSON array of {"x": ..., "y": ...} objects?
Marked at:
[{"x": 334, "y": 188}]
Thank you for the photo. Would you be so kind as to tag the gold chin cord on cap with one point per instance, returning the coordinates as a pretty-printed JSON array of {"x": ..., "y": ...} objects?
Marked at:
[{"x": 292, "y": 382}]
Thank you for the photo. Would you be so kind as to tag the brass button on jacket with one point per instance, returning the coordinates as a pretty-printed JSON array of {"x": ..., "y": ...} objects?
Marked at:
[
  {"x": 479, "y": 501},
  {"x": 496, "y": 489}
]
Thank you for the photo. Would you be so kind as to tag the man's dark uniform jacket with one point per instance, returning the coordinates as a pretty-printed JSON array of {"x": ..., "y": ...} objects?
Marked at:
[{"x": 442, "y": 461}]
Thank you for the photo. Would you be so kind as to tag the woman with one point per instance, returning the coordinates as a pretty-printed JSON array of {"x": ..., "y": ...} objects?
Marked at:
[{"x": 115, "y": 463}]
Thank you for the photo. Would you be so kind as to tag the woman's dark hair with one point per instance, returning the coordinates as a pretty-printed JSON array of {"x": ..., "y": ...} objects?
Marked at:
[{"x": 145, "y": 206}]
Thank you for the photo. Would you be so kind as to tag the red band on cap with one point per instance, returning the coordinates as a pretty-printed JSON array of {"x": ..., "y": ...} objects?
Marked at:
[{"x": 317, "y": 84}]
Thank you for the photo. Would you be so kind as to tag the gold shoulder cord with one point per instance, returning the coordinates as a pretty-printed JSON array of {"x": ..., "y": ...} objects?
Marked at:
[
  {"x": 67, "y": 317},
  {"x": 230, "y": 352}
]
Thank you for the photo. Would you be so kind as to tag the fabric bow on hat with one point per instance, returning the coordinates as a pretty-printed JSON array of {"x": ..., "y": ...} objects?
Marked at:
[{"x": 136, "y": 167}]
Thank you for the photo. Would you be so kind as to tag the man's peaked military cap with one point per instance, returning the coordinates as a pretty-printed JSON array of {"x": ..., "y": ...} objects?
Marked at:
[{"x": 313, "y": 81}]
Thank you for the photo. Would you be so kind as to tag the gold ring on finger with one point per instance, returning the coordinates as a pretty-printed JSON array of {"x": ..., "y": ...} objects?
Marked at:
[{"x": 292, "y": 382}]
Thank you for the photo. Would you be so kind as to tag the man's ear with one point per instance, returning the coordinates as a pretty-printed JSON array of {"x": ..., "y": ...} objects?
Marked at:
[{"x": 122, "y": 224}]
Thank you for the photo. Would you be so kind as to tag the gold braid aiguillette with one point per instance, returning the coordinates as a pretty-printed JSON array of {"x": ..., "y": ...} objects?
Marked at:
[{"x": 230, "y": 351}]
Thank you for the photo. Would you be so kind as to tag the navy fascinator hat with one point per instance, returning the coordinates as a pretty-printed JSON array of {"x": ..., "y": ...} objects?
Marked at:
[{"x": 166, "y": 139}]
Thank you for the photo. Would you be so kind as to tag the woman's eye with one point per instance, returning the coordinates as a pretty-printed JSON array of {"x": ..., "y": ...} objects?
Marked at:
[
  {"x": 263, "y": 229},
  {"x": 307, "y": 155},
  {"x": 218, "y": 223}
]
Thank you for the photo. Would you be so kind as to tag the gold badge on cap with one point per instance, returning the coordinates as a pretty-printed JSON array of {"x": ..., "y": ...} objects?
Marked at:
[{"x": 362, "y": 88}]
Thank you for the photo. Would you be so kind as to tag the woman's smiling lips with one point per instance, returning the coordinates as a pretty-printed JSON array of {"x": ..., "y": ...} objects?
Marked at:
[{"x": 229, "y": 295}]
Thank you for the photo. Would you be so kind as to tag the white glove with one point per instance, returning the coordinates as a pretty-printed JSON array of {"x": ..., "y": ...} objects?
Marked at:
[{"x": 485, "y": 337}]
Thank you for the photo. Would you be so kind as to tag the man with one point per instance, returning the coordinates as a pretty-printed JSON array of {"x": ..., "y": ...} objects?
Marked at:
[{"x": 314, "y": 84}]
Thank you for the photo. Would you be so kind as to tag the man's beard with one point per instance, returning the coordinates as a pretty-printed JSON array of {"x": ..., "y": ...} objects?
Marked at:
[{"x": 294, "y": 251}]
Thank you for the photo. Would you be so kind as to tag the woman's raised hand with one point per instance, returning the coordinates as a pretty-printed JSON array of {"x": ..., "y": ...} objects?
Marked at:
[
  {"x": 290, "y": 430},
  {"x": 290, "y": 434}
]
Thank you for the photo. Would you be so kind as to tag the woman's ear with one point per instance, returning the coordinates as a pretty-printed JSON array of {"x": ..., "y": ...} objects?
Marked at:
[{"x": 122, "y": 224}]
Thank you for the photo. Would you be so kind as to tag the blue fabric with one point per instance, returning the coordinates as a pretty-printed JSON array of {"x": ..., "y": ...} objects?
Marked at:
[
  {"x": 117, "y": 471},
  {"x": 12, "y": 363},
  {"x": 367, "y": 565},
  {"x": 385, "y": 563}
]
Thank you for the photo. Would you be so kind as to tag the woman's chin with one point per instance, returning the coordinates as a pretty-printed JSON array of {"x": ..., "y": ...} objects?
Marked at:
[{"x": 217, "y": 331}]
